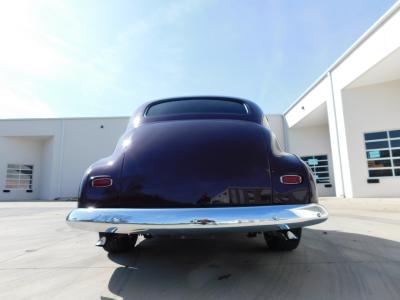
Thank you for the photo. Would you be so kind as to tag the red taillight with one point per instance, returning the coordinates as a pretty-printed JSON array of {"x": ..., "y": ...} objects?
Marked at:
[
  {"x": 291, "y": 179},
  {"x": 102, "y": 182}
]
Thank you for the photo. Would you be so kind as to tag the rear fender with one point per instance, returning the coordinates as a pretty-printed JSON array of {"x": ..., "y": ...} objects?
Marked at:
[
  {"x": 282, "y": 163},
  {"x": 111, "y": 167}
]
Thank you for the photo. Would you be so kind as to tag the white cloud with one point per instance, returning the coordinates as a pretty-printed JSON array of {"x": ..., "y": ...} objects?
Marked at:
[
  {"x": 51, "y": 60},
  {"x": 24, "y": 49},
  {"x": 22, "y": 106},
  {"x": 178, "y": 9}
]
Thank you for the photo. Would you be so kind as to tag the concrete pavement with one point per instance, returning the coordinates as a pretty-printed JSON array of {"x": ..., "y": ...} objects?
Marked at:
[{"x": 354, "y": 255}]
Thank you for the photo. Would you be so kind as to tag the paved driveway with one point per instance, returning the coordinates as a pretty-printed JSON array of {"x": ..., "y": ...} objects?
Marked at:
[{"x": 354, "y": 255}]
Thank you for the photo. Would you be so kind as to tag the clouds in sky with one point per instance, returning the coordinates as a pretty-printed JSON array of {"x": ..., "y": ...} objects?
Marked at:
[
  {"x": 20, "y": 105},
  {"x": 100, "y": 58},
  {"x": 79, "y": 54}
]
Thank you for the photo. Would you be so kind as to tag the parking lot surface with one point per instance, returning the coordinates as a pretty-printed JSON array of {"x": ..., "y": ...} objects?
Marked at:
[{"x": 354, "y": 255}]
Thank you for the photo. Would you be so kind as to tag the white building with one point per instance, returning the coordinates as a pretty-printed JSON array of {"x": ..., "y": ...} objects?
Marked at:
[
  {"x": 346, "y": 126},
  {"x": 354, "y": 107},
  {"x": 53, "y": 154}
]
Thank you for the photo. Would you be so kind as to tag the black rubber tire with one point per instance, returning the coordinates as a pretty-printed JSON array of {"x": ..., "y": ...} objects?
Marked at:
[
  {"x": 118, "y": 243},
  {"x": 276, "y": 242}
]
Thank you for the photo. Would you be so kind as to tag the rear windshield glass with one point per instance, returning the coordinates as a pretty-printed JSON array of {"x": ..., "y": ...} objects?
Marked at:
[{"x": 196, "y": 106}]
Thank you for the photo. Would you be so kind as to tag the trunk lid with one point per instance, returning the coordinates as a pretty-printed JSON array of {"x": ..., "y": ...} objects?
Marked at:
[{"x": 190, "y": 163}]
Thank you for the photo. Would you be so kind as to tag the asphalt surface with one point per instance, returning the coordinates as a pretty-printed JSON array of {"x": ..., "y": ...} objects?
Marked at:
[{"x": 354, "y": 255}]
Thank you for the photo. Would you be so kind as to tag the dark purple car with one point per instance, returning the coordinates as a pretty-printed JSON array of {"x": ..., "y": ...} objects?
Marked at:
[{"x": 197, "y": 165}]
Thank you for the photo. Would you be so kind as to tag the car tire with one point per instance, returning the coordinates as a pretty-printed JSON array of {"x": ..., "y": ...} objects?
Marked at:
[
  {"x": 278, "y": 240},
  {"x": 118, "y": 243}
]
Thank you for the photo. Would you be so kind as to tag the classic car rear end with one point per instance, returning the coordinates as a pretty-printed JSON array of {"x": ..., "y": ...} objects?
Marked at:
[{"x": 197, "y": 165}]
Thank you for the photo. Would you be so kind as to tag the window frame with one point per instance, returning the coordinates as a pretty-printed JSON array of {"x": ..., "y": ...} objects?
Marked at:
[
  {"x": 22, "y": 183},
  {"x": 389, "y": 148},
  {"x": 327, "y": 179}
]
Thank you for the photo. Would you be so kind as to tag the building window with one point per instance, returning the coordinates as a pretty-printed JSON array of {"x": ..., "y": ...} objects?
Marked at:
[
  {"x": 19, "y": 177},
  {"x": 319, "y": 166},
  {"x": 383, "y": 153}
]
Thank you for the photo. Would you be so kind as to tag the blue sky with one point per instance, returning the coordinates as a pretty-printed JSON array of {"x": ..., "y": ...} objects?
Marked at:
[{"x": 105, "y": 58}]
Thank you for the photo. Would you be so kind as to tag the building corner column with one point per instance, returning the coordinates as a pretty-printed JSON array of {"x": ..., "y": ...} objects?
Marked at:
[{"x": 338, "y": 139}]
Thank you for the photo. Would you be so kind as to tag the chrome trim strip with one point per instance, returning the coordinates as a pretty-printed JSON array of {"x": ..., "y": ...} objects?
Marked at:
[{"x": 197, "y": 220}]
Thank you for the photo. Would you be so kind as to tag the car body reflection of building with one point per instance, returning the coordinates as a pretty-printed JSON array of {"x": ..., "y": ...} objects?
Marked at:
[{"x": 242, "y": 196}]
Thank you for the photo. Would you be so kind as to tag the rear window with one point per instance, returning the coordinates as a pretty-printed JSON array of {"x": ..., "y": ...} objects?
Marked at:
[{"x": 196, "y": 106}]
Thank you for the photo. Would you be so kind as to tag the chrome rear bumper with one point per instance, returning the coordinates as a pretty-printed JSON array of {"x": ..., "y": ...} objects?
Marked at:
[{"x": 197, "y": 220}]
